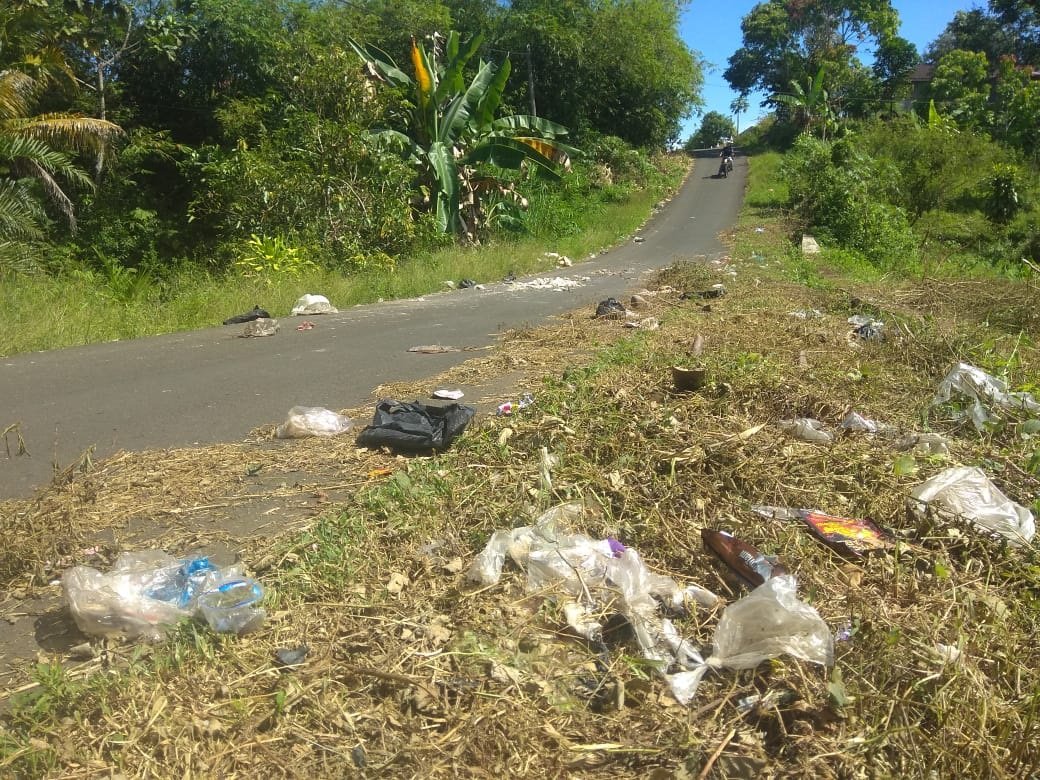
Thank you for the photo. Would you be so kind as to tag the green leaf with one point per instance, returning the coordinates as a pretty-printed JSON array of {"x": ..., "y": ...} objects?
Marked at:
[
  {"x": 836, "y": 689},
  {"x": 511, "y": 153},
  {"x": 487, "y": 103},
  {"x": 524, "y": 122},
  {"x": 445, "y": 171},
  {"x": 904, "y": 465}
]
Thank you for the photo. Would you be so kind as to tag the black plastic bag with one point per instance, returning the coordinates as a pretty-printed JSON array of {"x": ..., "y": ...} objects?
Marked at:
[
  {"x": 611, "y": 308},
  {"x": 256, "y": 314},
  {"x": 415, "y": 427}
]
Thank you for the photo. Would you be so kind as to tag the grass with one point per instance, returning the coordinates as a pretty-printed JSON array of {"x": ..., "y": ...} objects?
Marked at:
[
  {"x": 48, "y": 312},
  {"x": 432, "y": 678}
]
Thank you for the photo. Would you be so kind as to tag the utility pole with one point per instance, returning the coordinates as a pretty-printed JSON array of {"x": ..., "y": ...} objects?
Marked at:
[{"x": 530, "y": 82}]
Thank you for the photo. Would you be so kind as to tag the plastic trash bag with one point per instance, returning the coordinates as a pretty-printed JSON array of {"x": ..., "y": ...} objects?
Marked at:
[
  {"x": 867, "y": 328},
  {"x": 854, "y": 421},
  {"x": 769, "y": 622},
  {"x": 807, "y": 429},
  {"x": 985, "y": 392},
  {"x": 263, "y": 326},
  {"x": 143, "y": 594},
  {"x": 415, "y": 427},
  {"x": 256, "y": 314},
  {"x": 304, "y": 421},
  {"x": 313, "y": 304},
  {"x": 594, "y": 575},
  {"x": 968, "y": 493}
]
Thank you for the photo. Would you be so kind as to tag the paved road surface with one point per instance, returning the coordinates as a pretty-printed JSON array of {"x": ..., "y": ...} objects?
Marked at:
[{"x": 208, "y": 386}]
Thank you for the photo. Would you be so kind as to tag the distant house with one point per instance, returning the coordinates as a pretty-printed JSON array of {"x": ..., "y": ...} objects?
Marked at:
[{"x": 919, "y": 78}]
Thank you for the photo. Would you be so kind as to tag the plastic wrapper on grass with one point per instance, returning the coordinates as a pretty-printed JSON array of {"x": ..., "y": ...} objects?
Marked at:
[
  {"x": 807, "y": 429},
  {"x": 304, "y": 421},
  {"x": 313, "y": 304},
  {"x": 969, "y": 494},
  {"x": 985, "y": 393}
]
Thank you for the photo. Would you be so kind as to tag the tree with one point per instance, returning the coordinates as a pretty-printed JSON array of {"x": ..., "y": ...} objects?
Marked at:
[
  {"x": 452, "y": 130},
  {"x": 738, "y": 107},
  {"x": 38, "y": 152},
  {"x": 714, "y": 126},
  {"x": 960, "y": 85},
  {"x": 788, "y": 40},
  {"x": 893, "y": 61},
  {"x": 617, "y": 67}
]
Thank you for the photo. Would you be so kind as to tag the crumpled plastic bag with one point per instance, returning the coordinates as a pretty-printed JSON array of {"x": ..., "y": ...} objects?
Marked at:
[
  {"x": 967, "y": 492},
  {"x": 415, "y": 427},
  {"x": 985, "y": 392},
  {"x": 304, "y": 421},
  {"x": 313, "y": 304},
  {"x": 807, "y": 429},
  {"x": 262, "y": 326},
  {"x": 923, "y": 444},
  {"x": 142, "y": 595},
  {"x": 854, "y": 421},
  {"x": 595, "y": 574}
]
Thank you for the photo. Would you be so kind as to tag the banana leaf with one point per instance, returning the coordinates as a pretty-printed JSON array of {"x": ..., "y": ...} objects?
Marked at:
[
  {"x": 386, "y": 67},
  {"x": 446, "y": 173},
  {"x": 526, "y": 122},
  {"x": 511, "y": 153}
]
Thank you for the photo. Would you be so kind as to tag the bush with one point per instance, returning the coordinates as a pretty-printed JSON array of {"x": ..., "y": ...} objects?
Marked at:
[{"x": 839, "y": 191}]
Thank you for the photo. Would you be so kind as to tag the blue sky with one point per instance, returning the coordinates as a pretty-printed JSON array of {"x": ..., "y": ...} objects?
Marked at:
[{"x": 713, "y": 29}]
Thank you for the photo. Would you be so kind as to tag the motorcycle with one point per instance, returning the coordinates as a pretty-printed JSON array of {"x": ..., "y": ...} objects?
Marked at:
[{"x": 726, "y": 166}]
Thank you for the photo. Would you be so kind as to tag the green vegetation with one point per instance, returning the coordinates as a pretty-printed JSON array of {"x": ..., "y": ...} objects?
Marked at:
[{"x": 151, "y": 149}]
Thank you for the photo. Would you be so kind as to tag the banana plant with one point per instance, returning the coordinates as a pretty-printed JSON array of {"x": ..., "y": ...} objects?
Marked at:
[
  {"x": 452, "y": 135},
  {"x": 811, "y": 105}
]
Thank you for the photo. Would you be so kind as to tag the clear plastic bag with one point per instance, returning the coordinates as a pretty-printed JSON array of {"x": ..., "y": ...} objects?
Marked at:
[
  {"x": 598, "y": 575},
  {"x": 769, "y": 622},
  {"x": 306, "y": 421},
  {"x": 313, "y": 304},
  {"x": 968, "y": 493},
  {"x": 985, "y": 392},
  {"x": 807, "y": 429}
]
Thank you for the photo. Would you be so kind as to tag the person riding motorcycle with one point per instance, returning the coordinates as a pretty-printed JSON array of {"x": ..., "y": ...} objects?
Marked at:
[{"x": 727, "y": 159}]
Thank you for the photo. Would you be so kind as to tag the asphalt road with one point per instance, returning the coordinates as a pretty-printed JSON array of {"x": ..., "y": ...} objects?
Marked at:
[{"x": 209, "y": 385}]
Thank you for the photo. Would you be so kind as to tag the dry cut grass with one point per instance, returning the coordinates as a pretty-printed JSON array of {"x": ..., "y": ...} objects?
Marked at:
[{"x": 412, "y": 673}]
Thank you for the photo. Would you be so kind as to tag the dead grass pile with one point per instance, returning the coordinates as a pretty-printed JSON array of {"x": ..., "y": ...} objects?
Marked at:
[{"x": 412, "y": 673}]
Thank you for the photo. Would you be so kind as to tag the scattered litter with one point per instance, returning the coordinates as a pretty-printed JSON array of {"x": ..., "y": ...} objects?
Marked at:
[
  {"x": 415, "y": 427},
  {"x": 557, "y": 283},
  {"x": 846, "y": 535},
  {"x": 592, "y": 575},
  {"x": 647, "y": 323},
  {"x": 256, "y": 314},
  {"x": 611, "y": 309},
  {"x": 947, "y": 654},
  {"x": 304, "y": 421},
  {"x": 805, "y": 314},
  {"x": 465, "y": 284},
  {"x": 507, "y": 279},
  {"x": 807, "y": 429},
  {"x": 527, "y": 399},
  {"x": 638, "y": 302},
  {"x": 313, "y": 304},
  {"x": 766, "y": 701},
  {"x": 448, "y": 395},
  {"x": 751, "y": 566},
  {"x": 809, "y": 245},
  {"x": 760, "y": 230},
  {"x": 147, "y": 592},
  {"x": 288, "y": 657},
  {"x": 867, "y": 328},
  {"x": 686, "y": 380},
  {"x": 639, "y": 239},
  {"x": 505, "y": 409},
  {"x": 844, "y": 634},
  {"x": 305, "y": 325},
  {"x": 985, "y": 392},
  {"x": 966, "y": 492},
  {"x": 433, "y": 349},
  {"x": 449, "y": 284},
  {"x": 924, "y": 444},
  {"x": 263, "y": 326}
]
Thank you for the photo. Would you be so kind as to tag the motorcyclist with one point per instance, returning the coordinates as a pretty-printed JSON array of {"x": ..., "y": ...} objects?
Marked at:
[{"x": 727, "y": 159}]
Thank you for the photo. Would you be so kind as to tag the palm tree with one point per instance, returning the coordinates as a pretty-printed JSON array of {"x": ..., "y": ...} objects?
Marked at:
[{"x": 39, "y": 152}]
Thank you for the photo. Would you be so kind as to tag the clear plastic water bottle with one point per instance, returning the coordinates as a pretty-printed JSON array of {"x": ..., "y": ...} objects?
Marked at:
[{"x": 233, "y": 607}]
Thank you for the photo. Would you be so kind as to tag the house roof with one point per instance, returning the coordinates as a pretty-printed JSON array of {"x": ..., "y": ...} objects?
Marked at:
[{"x": 921, "y": 72}]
